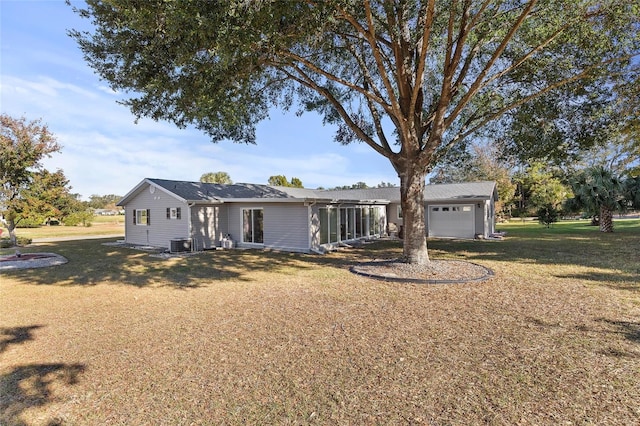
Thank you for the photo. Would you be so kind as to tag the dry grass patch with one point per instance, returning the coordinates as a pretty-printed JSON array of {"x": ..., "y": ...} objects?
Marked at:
[
  {"x": 101, "y": 226},
  {"x": 247, "y": 337}
]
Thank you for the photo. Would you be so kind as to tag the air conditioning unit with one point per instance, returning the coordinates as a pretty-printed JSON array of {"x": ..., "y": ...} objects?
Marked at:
[{"x": 180, "y": 245}]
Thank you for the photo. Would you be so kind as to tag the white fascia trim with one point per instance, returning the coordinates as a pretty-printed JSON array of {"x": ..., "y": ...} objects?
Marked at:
[{"x": 271, "y": 200}]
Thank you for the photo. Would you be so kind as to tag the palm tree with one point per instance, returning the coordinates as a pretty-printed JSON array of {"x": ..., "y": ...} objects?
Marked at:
[
  {"x": 599, "y": 192},
  {"x": 632, "y": 192}
]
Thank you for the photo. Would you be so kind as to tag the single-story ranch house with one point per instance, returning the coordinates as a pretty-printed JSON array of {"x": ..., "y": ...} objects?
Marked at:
[{"x": 180, "y": 215}]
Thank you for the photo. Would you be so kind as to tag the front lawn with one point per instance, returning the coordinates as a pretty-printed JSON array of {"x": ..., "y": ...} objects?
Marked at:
[
  {"x": 250, "y": 337},
  {"x": 100, "y": 225}
]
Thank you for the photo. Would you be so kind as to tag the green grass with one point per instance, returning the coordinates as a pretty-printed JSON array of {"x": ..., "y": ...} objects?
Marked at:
[
  {"x": 564, "y": 227},
  {"x": 101, "y": 225},
  {"x": 256, "y": 337}
]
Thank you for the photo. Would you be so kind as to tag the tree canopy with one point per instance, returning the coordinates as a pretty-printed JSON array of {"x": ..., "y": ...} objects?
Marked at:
[
  {"x": 600, "y": 192},
  {"x": 411, "y": 79},
  {"x": 104, "y": 201},
  {"x": 281, "y": 180},
  {"x": 480, "y": 162},
  {"x": 216, "y": 177},
  {"x": 27, "y": 190}
]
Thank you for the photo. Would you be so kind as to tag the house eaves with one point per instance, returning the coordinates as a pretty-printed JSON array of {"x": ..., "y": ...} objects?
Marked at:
[
  {"x": 271, "y": 200},
  {"x": 145, "y": 184}
]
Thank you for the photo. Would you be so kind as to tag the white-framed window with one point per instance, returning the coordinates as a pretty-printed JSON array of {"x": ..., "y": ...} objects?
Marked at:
[
  {"x": 328, "y": 225},
  {"x": 174, "y": 213},
  {"x": 348, "y": 223},
  {"x": 142, "y": 217},
  {"x": 252, "y": 226}
]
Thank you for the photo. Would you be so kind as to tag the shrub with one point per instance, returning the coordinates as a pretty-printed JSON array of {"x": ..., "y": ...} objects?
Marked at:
[
  {"x": 21, "y": 241},
  {"x": 29, "y": 224},
  {"x": 548, "y": 214},
  {"x": 78, "y": 218}
]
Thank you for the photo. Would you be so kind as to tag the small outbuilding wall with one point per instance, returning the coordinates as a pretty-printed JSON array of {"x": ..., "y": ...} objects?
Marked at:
[{"x": 155, "y": 218}]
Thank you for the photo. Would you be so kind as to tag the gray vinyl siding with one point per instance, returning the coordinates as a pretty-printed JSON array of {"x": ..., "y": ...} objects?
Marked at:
[
  {"x": 484, "y": 218},
  {"x": 394, "y": 221},
  {"x": 285, "y": 226},
  {"x": 208, "y": 225},
  {"x": 161, "y": 230}
]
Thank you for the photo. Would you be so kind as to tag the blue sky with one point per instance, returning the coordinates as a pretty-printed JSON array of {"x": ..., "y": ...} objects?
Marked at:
[{"x": 43, "y": 76}]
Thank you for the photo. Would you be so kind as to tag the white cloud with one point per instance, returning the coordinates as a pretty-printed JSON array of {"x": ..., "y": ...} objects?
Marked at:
[
  {"x": 105, "y": 152},
  {"x": 108, "y": 90}
]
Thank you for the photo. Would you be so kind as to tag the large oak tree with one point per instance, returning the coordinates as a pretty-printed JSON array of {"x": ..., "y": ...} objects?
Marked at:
[
  {"x": 409, "y": 78},
  {"x": 25, "y": 186}
]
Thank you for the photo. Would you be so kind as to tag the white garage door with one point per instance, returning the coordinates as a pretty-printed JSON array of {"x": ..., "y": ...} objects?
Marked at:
[{"x": 451, "y": 220}]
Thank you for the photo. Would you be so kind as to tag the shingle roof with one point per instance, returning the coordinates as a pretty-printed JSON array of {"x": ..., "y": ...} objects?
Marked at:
[
  {"x": 444, "y": 191},
  {"x": 212, "y": 192},
  {"x": 391, "y": 193},
  {"x": 199, "y": 191},
  {"x": 453, "y": 191}
]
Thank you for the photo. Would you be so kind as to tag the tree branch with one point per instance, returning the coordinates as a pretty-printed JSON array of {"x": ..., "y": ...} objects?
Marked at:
[
  {"x": 305, "y": 80},
  {"x": 583, "y": 74},
  {"x": 477, "y": 84},
  {"x": 422, "y": 55}
]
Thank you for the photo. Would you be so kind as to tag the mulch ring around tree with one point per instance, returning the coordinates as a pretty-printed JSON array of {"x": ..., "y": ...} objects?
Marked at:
[
  {"x": 436, "y": 272},
  {"x": 31, "y": 260}
]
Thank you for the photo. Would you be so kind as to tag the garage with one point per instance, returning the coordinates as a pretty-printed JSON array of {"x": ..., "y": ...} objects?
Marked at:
[{"x": 451, "y": 220}]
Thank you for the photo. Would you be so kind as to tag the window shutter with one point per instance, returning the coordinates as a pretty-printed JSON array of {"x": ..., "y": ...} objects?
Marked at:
[
  {"x": 134, "y": 216},
  {"x": 178, "y": 213},
  {"x": 148, "y": 217},
  {"x": 168, "y": 213}
]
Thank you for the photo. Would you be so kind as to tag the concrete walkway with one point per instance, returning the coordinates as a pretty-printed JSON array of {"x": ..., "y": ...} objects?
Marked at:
[{"x": 76, "y": 237}]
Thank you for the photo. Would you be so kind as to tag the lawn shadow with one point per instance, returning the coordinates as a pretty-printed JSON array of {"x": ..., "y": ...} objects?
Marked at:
[
  {"x": 91, "y": 263},
  {"x": 617, "y": 253},
  {"x": 615, "y": 280},
  {"x": 33, "y": 385},
  {"x": 16, "y": 335},
  {"x": 630, "y": 330}
]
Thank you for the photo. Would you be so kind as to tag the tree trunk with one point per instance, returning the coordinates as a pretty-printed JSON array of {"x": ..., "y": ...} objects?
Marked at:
[
  {"x": 11, "y": 227},
  {"x": 412, "y": 184},
  {"x": 606, "y": 219}
]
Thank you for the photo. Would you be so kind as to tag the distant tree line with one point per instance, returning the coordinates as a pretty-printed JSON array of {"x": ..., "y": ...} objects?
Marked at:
[{"x": 104, "y": 201}]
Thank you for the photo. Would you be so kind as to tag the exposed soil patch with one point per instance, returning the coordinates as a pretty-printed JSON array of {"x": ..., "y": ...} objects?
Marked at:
[
  {"x": 31, "y": 260},
  {"x": 436, "y": 272}
]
